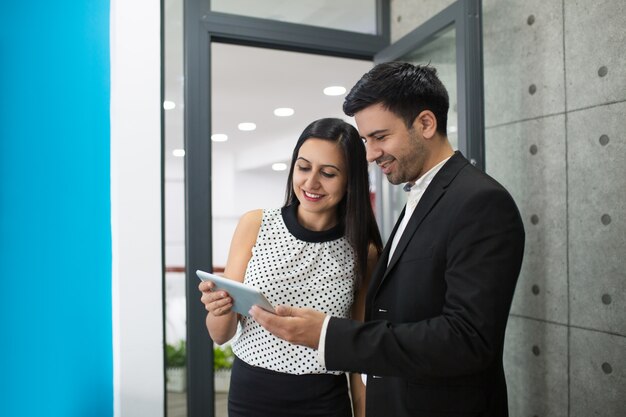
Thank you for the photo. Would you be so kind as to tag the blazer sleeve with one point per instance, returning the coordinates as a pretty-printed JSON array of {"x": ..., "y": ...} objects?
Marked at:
[{"x": 484, "y": 248}]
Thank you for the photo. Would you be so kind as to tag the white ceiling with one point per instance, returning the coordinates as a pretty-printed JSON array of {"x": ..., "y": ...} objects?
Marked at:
[{"x": 247, "y": 85}]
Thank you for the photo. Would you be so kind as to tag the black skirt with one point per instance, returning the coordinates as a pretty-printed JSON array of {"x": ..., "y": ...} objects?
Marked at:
[{"x": 259, "y": 392}]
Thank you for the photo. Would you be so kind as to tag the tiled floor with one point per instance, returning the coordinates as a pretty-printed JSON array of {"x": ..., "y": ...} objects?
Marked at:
[{"x": 177, "y": 404}]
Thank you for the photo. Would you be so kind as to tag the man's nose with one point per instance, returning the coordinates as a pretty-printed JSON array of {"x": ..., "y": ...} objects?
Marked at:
[{"x": 372, "y": 153}]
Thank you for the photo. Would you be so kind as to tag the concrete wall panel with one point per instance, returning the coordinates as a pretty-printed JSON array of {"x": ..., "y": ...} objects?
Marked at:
[
  {"x": 598, "y": 375},
  {"x": 597, "y": 210},
  {"x": 595, "y": 47},
  {"x": 523, "y": 59},
  {"x": 406, "y": 15},
  {"x": 528, "y": 158},
  {"x": 535, "y": 361}
]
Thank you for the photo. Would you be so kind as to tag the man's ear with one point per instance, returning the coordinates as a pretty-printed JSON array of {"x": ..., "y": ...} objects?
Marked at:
[{"x": 426, "y": 122}]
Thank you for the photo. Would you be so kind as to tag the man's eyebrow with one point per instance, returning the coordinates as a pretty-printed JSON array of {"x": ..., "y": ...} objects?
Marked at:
[{"x": 377, "y": 132}]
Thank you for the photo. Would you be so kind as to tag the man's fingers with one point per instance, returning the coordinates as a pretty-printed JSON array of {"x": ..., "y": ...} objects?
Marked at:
[
  {"x": 260, "y": 315},
  {"x": 284, "y": 311},
  {"x": 268, "y": 320},
  {"x": 296, "y": 325}
]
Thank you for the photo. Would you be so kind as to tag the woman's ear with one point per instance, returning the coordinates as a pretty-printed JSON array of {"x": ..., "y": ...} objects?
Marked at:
[{"x": 426, "y": 122}]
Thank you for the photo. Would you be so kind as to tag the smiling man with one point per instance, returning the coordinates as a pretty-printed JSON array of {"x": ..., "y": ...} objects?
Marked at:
[{"x": 439, "y": 298}]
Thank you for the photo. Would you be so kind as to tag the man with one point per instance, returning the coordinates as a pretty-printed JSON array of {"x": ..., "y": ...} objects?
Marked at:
[{"x": 439, "y": 298}]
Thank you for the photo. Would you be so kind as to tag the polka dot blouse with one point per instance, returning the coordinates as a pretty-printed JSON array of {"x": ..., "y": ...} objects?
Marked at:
[{"x": 297, "y": 267}]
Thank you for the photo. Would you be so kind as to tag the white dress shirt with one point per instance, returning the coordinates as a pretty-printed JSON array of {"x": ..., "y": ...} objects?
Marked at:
[{"x": 416, "y": 191}]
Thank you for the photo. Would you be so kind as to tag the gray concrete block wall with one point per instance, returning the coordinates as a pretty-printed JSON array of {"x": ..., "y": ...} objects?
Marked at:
[
  {"x": 595, "y": 52},
  {"x": 537, "y": 355},
  {"x": 406, "y": 15},
  {"x": 523, "y": 60},
  {"x": 597, "y": 374},
  {"x": 555, "y": 113},
  {"x": 596, "y": 163},
  {"x": 522, "y": 157}
]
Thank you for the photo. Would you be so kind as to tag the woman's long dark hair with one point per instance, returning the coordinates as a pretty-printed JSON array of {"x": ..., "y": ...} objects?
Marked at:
[{"x": 355, "y": 209}]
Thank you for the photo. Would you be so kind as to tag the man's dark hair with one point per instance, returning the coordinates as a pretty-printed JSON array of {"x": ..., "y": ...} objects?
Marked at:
[{"x": 402, "y": 88}]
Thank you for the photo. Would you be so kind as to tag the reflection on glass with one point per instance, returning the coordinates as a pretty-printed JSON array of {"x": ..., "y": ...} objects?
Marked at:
[
  {"x": 441, "y": 54},
  {"x": 351, "y": 15}
]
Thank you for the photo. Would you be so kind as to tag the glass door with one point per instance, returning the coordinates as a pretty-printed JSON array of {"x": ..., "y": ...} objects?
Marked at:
[{"x": 208, "y": 162}]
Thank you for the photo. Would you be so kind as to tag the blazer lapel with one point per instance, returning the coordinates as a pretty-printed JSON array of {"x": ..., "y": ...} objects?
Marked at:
[
  {"x": 433, "y": 193},
  {"x": 381, "y": 266}
]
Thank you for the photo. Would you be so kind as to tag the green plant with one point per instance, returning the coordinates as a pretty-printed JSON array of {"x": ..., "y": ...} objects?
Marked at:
[
  {"x": 175, "y": 356},
  {"x": 222, "y": 357}
]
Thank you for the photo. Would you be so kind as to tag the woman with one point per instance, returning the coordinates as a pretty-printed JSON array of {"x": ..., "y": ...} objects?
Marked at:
[{"x": 316, "y": 251}]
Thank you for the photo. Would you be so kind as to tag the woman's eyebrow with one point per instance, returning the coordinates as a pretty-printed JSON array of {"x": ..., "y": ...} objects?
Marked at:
[{"x": 324, "y": 165}]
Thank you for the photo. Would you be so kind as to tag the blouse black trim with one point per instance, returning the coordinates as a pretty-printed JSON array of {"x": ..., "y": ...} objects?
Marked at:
[{"x": 290, "y": 218}]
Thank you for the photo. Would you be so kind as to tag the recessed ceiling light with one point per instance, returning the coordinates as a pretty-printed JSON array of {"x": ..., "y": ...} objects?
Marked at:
[
  {"x": 247, "y": 126},
  {"x": 178, "y": 152},
  {"x": 279, "y": 166},
  {"x": 169, "y": 105},
  {"x": 335, "y": 90},
  {"x": 219, "y": 137},
  {"x": 452, "y": 129},
  {"x": 283, "y": 112}
]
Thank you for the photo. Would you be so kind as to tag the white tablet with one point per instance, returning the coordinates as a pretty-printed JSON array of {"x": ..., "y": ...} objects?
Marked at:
[{"x": 244, "y": 296}]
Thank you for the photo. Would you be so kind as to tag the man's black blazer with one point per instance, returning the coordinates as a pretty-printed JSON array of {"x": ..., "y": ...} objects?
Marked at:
[{"x": 435, "y": 316}]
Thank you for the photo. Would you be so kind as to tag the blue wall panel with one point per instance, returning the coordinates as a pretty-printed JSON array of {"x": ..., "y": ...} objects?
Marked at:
[{"x": 56, "y": 355}]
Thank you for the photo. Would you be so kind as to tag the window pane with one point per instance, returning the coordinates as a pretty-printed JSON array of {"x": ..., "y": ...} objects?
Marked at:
[
  {"x": 351, "y": 15},
  {"x": 441, "y": 54}
]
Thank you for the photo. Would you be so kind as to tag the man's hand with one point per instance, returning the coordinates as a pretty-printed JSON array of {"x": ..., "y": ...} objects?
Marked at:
[{"x": 300, "y": 326}]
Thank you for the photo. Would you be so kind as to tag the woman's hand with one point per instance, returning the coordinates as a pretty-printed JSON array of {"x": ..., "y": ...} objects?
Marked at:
[{"x": 217, "y": 303}]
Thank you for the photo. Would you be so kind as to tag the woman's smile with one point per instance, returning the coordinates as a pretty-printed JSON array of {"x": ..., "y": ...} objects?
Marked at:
[{"x": 311, "y": 196}]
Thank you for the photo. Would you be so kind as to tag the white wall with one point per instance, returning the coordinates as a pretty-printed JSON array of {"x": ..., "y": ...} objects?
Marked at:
[
  {"x": 136, "y": 208},
  {"x": 236, "y": 191}
]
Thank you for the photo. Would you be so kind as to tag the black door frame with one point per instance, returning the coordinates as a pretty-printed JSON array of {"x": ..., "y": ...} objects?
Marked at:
[{"x": 201, "y": 27}]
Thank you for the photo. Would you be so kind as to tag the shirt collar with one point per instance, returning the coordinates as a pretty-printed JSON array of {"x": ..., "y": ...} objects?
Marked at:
[{"x": 423, "y": 181}]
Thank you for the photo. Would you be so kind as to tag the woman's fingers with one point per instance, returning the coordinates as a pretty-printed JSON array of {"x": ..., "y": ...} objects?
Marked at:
[{"x": 218, "y": 303}]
